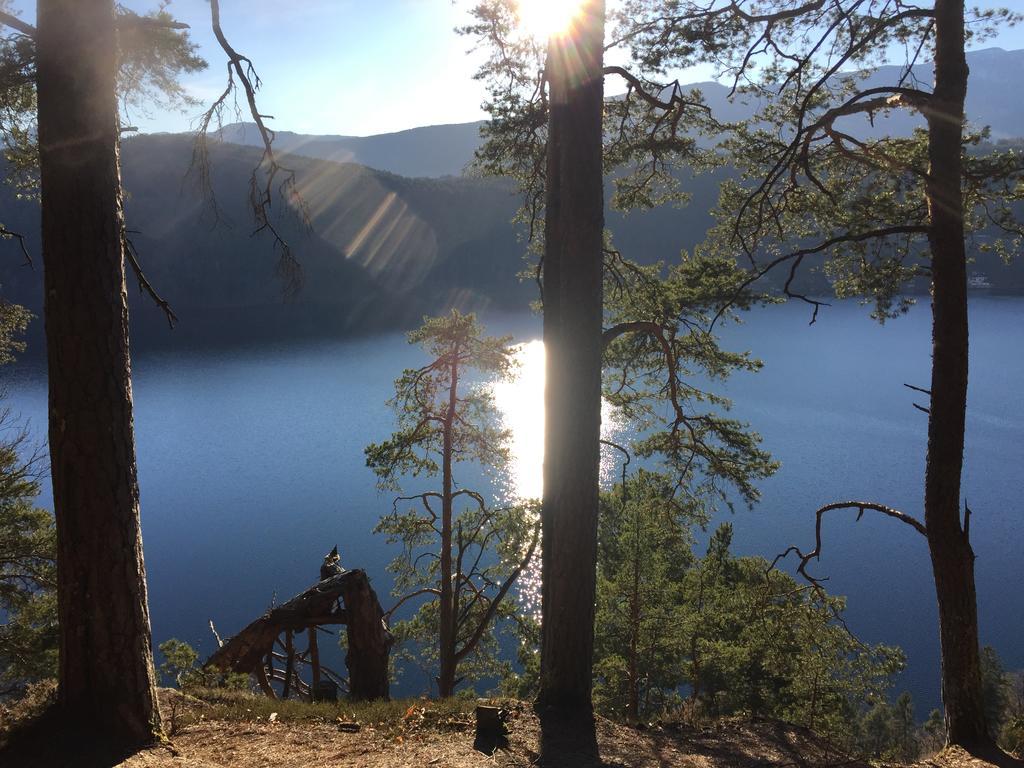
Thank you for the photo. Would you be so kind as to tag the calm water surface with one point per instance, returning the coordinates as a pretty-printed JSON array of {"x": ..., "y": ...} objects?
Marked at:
[{"x": 251, "y": 467}]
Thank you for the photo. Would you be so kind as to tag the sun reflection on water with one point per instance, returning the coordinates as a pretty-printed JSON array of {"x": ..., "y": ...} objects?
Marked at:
[{"x": 521, "y": 404}]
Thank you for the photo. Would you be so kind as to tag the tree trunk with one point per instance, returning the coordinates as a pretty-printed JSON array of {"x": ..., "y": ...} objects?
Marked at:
[
  {"x": 314, "y": 662},
  {"x": 633, "y": 702},
  {"x": 106, "y": 664},
  {"x": 369, "y": 643},
  {"x": 574, "y": 211},
  {"x": 948, "y": 540},
  {"x": 446, "y": 607}
]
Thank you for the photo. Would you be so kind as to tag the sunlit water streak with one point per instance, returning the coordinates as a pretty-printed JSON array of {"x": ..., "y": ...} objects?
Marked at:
[{"x": 521, "y": 403}]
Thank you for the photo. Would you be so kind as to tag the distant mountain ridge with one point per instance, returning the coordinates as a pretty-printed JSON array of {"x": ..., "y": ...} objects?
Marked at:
[
  {"x": 431, "y": 151},
  {"x": 384, "y": 249},
  {"x": 446, "y": 150}
]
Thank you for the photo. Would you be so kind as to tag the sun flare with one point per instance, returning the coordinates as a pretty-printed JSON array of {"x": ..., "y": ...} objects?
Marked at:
[{"x": 542, "y": 19}]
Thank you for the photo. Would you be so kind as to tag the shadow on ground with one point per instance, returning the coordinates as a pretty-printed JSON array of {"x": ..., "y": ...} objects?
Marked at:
[{"x": 568, "y": 739}]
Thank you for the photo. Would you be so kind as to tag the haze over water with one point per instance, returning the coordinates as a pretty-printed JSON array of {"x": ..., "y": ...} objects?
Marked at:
[{"x": 251, "y": 466}]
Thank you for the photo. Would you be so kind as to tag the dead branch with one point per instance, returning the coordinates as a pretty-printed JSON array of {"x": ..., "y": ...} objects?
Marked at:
[
  {"x": 861, "y": 507},
  {"x": 277, "y": 179},
  {"x": 12, "y": 21},
  {"x": 6, "y": 233},
  {"x": 144, "y": 285}
]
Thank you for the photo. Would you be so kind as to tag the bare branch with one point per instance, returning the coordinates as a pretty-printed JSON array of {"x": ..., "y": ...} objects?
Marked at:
[
  {"x": 5, "y": 232},
  {"x": 12, "y": 21},
  {"x": 488, "y": 616},
  {"x": 277, "y": 178},
  {"x": 417, "y": 593},
  {"x": 861, "y": 507},
  {"x": 132, "y": 255}
]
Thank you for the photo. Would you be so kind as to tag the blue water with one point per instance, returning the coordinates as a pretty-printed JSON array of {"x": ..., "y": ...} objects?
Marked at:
[{"x": 251, "y": 468}]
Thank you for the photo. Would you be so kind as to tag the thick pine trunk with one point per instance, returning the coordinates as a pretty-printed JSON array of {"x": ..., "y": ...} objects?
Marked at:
[
  {"x": 106, "y": 665},
  {"x": 948, "y": 542},
  {"x": 572, "y": 337}
]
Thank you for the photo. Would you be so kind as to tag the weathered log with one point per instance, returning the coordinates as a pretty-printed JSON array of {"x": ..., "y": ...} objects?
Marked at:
[
  {"x": 314, "y": 660},
  {"x": 369, "y": 642},
  {"x": 289, "y": 668}
]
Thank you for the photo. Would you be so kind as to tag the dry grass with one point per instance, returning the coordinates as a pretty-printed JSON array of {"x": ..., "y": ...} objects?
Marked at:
[
  {"x": 19, "y": 712},
  {"x": 241, "y": 731},
  {"x": 222, "y": 729}
]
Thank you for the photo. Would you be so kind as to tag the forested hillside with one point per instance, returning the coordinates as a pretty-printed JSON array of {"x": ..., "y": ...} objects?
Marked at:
[{"x": 382, "y": 250}]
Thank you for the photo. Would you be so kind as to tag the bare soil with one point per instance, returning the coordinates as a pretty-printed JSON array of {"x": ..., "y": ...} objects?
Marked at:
[
  {"x": 422, "y": 739},
  {"x": 423, "y": 735}
]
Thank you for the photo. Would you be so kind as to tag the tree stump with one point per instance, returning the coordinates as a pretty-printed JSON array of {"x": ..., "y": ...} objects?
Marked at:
[{"x": 491, "y": 729}]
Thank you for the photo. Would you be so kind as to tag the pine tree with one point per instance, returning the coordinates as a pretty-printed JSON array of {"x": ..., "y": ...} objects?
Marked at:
[
  {"x": 28, "y": 574},
  {"x": 881, "y": 212},
  {"x": 644, "y": 551},
  {"x": 553, "y": 132},
  {"x": 464, "y": 559}
]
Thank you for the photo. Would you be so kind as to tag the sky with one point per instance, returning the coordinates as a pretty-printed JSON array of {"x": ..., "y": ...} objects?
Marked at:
[{"x": 353, "y": 67}]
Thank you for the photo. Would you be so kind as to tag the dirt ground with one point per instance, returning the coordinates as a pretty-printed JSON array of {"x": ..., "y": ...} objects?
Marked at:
[
  {"x": 422, "y": 735},
  {"x": 422, "y": 740},
  {"x": 217, "y": 744}
]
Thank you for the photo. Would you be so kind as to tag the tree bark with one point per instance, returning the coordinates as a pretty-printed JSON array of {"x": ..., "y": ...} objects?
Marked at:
[
  {"x": 948, "y": 539},
  {"x": 572, "y": 285},
  {"x": 106, "y": 665},
  {"x": 369, "y": 643}
]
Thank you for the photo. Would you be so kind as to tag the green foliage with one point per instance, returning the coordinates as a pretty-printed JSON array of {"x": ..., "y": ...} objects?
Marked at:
[
  {"x": 1003, "y": 698},
  {"x": 452, "y": 535},
  {"x": 934, "y": 731},
  {"x": 179, "y": 661},
  {"x": 765, "y": 645},
  {"x": 153, "y": 57},
  {"x": 661, "y": 346},
  {"x": 522, "y": 682},
  {"x": 28, "y": 574},
  {"x": 888, "y": 731},
  {"x": 421, "y": 402},
  {"x": 742, "y": 637},
  {"x": 1011, "y": 737},
  {"x": 644, "y": 552},
  {"x": 995, "y": 688},
  {"x": 14, "y": 320},
  {"x": 179, "y": 669},
  {"x": 659, "y": 319},
  {"x": 822, "y": 185}
]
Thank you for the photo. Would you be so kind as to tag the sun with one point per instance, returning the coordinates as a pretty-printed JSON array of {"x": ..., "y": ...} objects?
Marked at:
[{"x": 543, "y": 19}]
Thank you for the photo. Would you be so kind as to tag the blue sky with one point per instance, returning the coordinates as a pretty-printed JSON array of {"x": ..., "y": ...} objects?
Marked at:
[{"x": 354, "y": 67}]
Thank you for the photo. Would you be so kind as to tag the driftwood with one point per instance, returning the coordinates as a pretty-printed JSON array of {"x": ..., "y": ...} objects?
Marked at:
[{"x": 252, "y": 651}]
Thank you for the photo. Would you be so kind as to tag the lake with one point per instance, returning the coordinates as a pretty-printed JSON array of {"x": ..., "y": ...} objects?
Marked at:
[{"x": 251, "y": 467}]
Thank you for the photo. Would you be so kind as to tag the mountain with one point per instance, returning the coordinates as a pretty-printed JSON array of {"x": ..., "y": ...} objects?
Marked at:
[
  {"x": 446, "y": 150},
  {"x": 434, "y": 150},
  {"x": 382, "y": 249}
]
